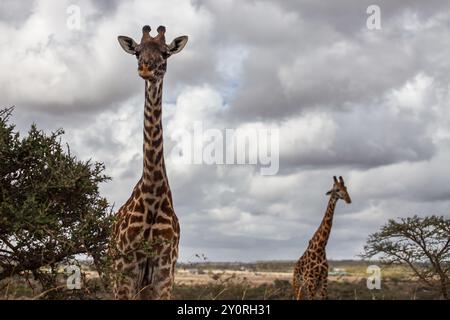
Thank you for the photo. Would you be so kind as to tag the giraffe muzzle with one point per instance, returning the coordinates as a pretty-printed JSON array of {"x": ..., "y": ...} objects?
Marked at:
[{"x": 145, "y": 72}]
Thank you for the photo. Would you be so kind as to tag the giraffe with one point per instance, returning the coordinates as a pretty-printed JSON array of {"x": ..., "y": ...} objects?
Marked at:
[
  {"x": 311, "y": 270},
  {"x": 146, "y": 232}
]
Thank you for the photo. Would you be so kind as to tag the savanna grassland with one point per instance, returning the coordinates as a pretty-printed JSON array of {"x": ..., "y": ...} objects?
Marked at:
[{"x": 268, "y": 280}]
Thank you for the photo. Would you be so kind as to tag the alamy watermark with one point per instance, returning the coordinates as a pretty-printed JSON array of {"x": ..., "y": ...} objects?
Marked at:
[
  {"x": 373, "y": 22},
  {"x": 73, "y": 21},
  {"x": 374, "y": 280},
  {"x": 73, "y": 281},
  {"x": 249, "y": 146}
]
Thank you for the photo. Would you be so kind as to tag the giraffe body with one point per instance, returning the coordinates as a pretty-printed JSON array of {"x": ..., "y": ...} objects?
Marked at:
[
  {"x": 147, "y": 232},
  {"x": 311, "y": 271}
]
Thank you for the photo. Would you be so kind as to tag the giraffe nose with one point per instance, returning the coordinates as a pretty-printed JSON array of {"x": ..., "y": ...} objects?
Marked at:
[
  {"x": 143, "y": 67},
  {"x": 144, "y": 71}
]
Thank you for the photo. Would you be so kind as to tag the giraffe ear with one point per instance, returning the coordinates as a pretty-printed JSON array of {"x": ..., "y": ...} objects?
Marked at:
[
  {"x": 177, "y": 45},
  {"x": 328, "y": 193},
  {"x": 127, "y": 44}
]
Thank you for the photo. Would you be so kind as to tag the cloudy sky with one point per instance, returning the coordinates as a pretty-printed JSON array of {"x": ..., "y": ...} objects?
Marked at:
[{"x": 370, "y": 105}]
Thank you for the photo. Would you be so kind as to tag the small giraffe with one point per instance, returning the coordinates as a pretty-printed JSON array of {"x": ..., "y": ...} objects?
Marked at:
[
  {"x": 147, "y": 233},
  {"x": 311, "y": 270}
]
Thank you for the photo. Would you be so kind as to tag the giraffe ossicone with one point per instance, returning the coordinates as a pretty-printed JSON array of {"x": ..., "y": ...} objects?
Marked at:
[{"x": 146, "y": 233}]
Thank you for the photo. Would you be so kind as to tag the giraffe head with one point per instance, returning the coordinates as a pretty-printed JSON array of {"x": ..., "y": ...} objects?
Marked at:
[
  {"x": 339, "y": 190},
  {"x": 152, "y": 53}
]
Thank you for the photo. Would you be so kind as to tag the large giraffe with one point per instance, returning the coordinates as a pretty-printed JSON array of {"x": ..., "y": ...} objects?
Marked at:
[
  {"x": 311, "y": 270},
  {"x": 147, "y": 233}
]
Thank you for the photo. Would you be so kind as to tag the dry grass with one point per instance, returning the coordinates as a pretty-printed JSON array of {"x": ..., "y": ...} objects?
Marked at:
[{"x": 265, "y": 280}]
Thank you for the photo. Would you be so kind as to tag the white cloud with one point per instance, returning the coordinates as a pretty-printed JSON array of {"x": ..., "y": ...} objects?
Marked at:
[
  {"x": 370, "y": 106},
  {"x": 47, "y": 66}
]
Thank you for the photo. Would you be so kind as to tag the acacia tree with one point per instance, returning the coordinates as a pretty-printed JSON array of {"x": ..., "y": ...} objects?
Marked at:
[
  {"x": 50, "y": 207},
  {"x": 421, "y": 243}
]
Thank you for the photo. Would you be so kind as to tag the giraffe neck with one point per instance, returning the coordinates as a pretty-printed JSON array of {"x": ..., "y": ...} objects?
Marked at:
[
  {"x": 323, "y": 232},
  {"x": 153, "y": 134}
]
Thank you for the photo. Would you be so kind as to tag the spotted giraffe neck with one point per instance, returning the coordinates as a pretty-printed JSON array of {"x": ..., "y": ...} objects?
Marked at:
[
  {"x": 323, "y": 232},
  {"x": 153, "y": 134}
]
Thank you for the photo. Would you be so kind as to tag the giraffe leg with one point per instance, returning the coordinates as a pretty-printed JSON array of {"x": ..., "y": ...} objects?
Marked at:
[
  {"x": 129, "y": 275},
  {"x": 166, "y": 291},
  {"x": 298, "y": 288},
  {"x": 125, "y": 285},
  {"x": 299, "y": 282},
  {"x": 160, "y": 288},
  {"x": 303, "y": 291},
  {"x": 323, "y": 291},
  {"x": 300, "y": 294},
  {"x": 323, "y": 288},
  {"x": 321, "y": 284},
  {"x": 295, "y": 284},
  {"x": 311, "y": 290},
  {"x": 159, "y": 278}
]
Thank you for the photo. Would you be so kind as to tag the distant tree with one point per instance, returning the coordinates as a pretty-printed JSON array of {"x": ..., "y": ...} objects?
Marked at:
[
  {"x": 421, "y": 243},
  {"x": 50, "y": 207}
]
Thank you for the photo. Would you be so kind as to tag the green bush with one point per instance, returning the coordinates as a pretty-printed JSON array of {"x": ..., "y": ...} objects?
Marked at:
[{"x": 51, "y": 211}]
